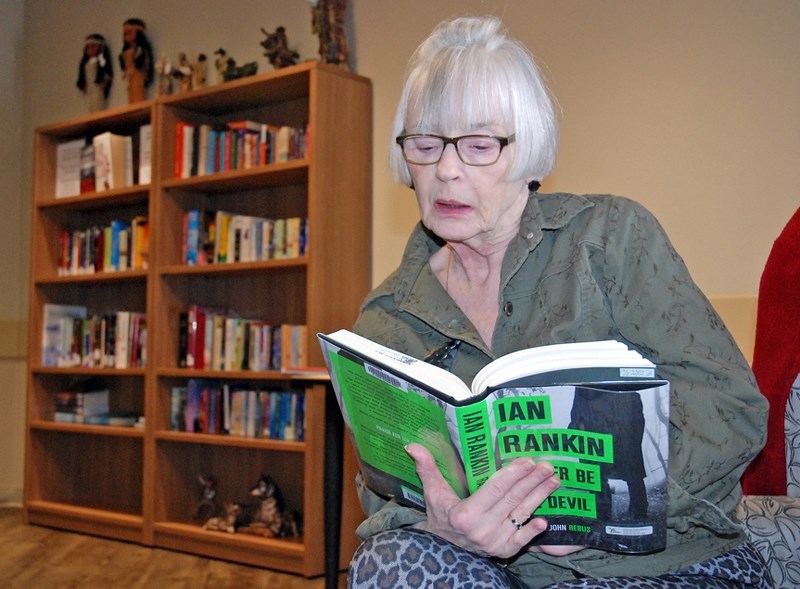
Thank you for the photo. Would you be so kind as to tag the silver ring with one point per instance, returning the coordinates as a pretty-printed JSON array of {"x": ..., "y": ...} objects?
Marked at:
[{"x": 514, "y": 522}]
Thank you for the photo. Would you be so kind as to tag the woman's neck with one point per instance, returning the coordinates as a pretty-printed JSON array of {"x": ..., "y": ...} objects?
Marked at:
[{"x": 472, "y": 279}]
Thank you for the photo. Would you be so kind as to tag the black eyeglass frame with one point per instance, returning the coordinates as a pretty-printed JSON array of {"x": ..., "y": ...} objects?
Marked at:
[{"x": 504, "y": 142}]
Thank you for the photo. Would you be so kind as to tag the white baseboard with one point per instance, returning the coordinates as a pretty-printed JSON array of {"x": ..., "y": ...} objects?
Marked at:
[{"x": 11, "y": 497}]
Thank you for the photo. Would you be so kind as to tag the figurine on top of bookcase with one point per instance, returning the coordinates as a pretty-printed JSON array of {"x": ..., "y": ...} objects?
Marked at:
[
  {"x": 221, "y": 64},
  {"x": 327, "y": 21},
  {"x": 190, "y": 73},
  {"x": 228, "y": 70},
  {"x": 163, "y": 70},
  {"x": 95, "y": 72},
  {"x": 184, "y": 73},
  {"x": 276, "y": 48},
  {"x": 136, "y": 59},
  {"x": 200, "y": 71}
]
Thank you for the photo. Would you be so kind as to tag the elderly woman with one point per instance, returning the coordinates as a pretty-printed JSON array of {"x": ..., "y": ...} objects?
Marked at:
[{"x": 501, "y": 268}]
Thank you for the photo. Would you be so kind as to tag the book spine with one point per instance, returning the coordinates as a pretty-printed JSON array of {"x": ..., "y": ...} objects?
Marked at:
[
  {"x": 183, "y": 338},
  {"x": 145, "y": 154},
  {"x": 122, "y": 343},
  {"x": 475, "y": 435}
]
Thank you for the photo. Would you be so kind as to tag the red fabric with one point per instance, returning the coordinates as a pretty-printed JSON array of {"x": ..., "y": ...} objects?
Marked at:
[{"x": 776, "y": 356}]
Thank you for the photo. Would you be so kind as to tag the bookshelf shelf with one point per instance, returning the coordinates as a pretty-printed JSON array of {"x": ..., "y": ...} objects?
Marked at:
[
  {"x": 95, "y": 430},
  {"x": 268, "y": 553},
  {"x": 250, "y": 375},
  {"x": 122, "y": 117},
  {"x": 94, "y": 277},
  {"x": 277, "y": 174},
  {"x": 232, "y": 441},
  {"x": 236, "y": 267},
  {"x": 91, "y": 200},
  {"x": 102, "y": 522},
  {"x": 140, "y": 484},
  {"x": 85, "y": 371}
]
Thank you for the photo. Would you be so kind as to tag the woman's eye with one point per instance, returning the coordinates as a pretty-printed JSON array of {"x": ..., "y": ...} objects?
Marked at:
[
  {"x": 478, "y": 145},
  {"x": 426, "y": 145}
]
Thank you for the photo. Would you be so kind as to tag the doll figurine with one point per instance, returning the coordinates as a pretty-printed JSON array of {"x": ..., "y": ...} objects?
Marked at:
[
  {"x": 136, "y": 59},
  {"x": 183, "y": 72},
  {"x": 95, "y": 72},
  {"x": 200, "y": 71},
  {"x": 220, "y": 64},
  {"x": 163, "y": 70}
]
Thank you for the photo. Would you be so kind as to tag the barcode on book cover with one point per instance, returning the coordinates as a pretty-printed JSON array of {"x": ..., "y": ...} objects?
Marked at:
[
  {"x": 629, "y": 531},
  {"x": 385, "y": 377},
  {"x": 638, "y": 372},
  {"x": 397, "y": 356},
  {"x": 413, "y": 496}
]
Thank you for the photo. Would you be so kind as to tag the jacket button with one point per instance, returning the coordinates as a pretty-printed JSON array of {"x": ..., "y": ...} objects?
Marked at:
[{"x": 508, "y": 309}]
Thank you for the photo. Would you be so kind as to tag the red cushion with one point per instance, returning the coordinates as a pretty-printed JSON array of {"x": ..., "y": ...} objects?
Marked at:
[{"x": 776, "y": 356}]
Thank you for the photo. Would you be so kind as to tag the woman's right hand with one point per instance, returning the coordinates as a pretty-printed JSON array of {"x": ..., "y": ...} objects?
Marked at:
[{"x": 488, "y": 521}]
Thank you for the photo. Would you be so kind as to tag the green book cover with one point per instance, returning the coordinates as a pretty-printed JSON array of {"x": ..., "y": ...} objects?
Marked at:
[{"x": 593, "y": 410}]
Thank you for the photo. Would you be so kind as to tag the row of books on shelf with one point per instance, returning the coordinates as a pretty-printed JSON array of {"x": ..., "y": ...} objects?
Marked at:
[
  {"x": 116, "y": 247},
  {"x": 220, "y": 237},
  {"x": 73, "y": 338},
  {"x": 208, "y": 149},
  {"x": 103, "y": 162},
  {"x": 211, "y": 407},
  {"x": 215, "y": 340},
  {"x": 92, "y": 407}
]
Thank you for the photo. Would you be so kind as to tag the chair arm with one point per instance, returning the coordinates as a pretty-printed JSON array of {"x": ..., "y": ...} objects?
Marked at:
[{"x": 772, "y": 524}]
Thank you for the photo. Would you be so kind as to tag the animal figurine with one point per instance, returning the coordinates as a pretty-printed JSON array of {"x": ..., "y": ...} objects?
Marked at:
[
  {"x": 228, "y": 70},
  {"x": 263, "y": 516},
  {"x": 207, "y": 506},
  {"x": 276, "y": 48},
  {"x": 225, "y": 522},
  {"x": 268, "y": 518},
  {"x": 234, "y": 72}
]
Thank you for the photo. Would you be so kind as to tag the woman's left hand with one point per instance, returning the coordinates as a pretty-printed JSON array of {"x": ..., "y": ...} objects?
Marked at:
[{"x": 488, "y": 522}]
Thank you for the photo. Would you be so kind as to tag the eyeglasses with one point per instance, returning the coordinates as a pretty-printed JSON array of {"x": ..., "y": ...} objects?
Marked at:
[{"x": 473, "y": 150}]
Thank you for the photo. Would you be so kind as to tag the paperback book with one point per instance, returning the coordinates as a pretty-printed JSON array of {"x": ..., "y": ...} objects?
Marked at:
[
  {"x": 597, "y": 411},
  {"x": 68, "y": 168}
]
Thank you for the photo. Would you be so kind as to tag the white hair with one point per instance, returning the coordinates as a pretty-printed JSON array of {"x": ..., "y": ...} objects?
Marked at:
[{"x": 470, "y": 73}]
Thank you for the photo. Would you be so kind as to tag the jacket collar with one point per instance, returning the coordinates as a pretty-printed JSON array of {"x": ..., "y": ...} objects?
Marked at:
[{"x": 544, "y": 212}]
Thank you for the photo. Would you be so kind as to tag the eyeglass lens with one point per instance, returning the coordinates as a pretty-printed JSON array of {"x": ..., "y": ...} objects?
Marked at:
[{"x": 477, "y": 150}]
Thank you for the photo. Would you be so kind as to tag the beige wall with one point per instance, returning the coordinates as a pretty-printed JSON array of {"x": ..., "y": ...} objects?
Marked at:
[
  {"x": 688, "y": 106},
  {"x": 739, "y": 314},
  {"x": 13, "y": 244}
]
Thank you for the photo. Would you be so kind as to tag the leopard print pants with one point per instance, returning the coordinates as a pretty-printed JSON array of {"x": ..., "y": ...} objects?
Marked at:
[{"x": 415, "y": 559}]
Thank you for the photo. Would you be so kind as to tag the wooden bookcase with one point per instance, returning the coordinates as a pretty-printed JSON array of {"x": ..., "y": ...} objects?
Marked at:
[{"x": 141, "y": 484}]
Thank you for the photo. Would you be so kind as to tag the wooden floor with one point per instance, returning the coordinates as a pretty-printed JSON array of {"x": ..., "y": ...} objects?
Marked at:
[{"x": 33, "y": 556}]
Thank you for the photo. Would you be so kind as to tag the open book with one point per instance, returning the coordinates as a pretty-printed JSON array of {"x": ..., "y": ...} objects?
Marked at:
[{"x": 595, "y": 410}]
